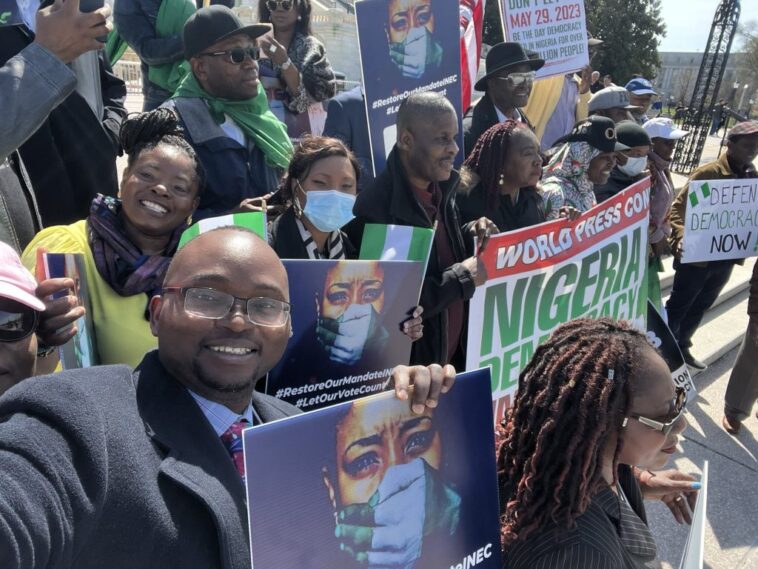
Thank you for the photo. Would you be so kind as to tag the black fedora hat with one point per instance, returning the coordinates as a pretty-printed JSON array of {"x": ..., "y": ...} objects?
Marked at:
[
  {"x": 504, "y": 56},
  {"x": 213, "y": 24}
]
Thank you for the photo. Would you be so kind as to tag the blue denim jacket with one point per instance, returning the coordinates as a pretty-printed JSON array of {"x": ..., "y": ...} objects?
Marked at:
[{"x": 135, "y": 22}]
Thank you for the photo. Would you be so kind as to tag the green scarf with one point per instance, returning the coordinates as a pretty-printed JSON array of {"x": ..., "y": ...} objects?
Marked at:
[
  {"x": 251, "y": 115},
  {"x": 114, "y": 47},
  {"x": 170, "y": 22}
]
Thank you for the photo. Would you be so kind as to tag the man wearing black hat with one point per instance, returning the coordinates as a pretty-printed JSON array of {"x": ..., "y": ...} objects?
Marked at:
[
  {"x": 507, "y": 86},
  {"x": 243, "y": 147}
]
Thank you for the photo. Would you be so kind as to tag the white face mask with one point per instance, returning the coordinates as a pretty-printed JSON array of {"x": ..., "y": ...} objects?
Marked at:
[{"x": 634, "y": 166}]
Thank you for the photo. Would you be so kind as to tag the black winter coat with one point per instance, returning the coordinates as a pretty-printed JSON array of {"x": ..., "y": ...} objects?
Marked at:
[{"x": 390, "y": 200}]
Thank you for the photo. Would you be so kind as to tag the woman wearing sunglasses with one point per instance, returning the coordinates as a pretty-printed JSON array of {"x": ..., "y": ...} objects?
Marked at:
[
  {"x": 127, "y": 243},
  {"x": 295, "y": 70},
  {"x": 595, "y": 402},
  {"x": 25, "y": 319}
]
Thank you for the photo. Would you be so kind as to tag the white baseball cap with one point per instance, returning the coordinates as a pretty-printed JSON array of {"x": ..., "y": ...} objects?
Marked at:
[{"x": 662, "y": 127}]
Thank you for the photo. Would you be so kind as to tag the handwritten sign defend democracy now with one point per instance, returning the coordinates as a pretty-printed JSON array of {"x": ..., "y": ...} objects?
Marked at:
[
  {"x": 542, "y": 276},
  {"x": 721, "y": 221},
  {"x": 556, "y": 29}
]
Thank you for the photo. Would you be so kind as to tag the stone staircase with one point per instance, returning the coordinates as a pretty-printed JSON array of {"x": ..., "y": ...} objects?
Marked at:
[{"x": 725, "y": 323}]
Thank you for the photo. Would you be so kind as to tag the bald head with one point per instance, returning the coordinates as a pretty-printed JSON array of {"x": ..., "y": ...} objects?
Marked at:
[
  {"x": 207, "y": 338},
  {"x": 422, "y": 108}
]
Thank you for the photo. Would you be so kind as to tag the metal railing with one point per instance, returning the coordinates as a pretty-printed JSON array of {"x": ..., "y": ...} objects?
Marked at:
[{"x": 129, "y": 72}]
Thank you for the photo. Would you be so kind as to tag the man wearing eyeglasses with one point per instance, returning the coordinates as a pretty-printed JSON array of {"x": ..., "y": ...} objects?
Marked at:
[
  {"x": 507, "y": 86},
  {"x": 223, "y": 108},
  {"x": 120, "y": 468}
]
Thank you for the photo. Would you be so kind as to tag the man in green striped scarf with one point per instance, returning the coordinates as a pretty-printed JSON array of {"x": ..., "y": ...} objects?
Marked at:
[{"x": 223, "y": 108}]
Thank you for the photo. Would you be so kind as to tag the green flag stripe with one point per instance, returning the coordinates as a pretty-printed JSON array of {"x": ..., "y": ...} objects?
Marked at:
[
  {"x": 254, "y": 221},
  {"x": 693, "y": 199},
  {"x": 421, "y": 242},
  {"x": 705, "y": 189},
  {"x": 374, "y": 237}
]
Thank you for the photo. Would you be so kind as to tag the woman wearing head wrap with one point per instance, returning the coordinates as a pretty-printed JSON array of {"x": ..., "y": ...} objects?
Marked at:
[{"x": 586, "y": 159}]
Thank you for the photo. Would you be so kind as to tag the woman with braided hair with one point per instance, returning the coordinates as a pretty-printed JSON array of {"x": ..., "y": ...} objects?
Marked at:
[
  {"x": 127, "y": 242},
  {"x": 499, "y": 178},
  {"x": 595, "y": 401}
]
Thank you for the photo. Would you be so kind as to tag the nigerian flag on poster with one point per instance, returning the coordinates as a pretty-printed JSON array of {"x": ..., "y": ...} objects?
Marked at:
[
  {"x": 255, "y": 221},
  {"x": 396, "y": 243}
]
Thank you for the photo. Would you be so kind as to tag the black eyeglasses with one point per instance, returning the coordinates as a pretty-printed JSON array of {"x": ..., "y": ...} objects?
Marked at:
[
  {"x": 15, "y": 326},
  {"x": 680, "y": 403},
  {"x": 237, "y": 55},
  {"x": 285, "y": 5},
  {"x": 214, "y": 304}
]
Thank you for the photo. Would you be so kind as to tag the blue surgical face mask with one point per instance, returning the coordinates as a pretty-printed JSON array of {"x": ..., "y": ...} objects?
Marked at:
[{"x": 328, "y": 210}]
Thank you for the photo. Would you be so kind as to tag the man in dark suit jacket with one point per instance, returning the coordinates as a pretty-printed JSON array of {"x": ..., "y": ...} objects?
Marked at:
[
  {"x": 109, "y": 467},
  {"x": 346, "y": 120},
  {"x": 507, "y": 86}
]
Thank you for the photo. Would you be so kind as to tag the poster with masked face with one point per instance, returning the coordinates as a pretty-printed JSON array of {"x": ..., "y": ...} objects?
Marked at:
[
  {"x": 370, "y": 484},
  {"x": 346, "y": 329},
  {"x": 406, "y": 46}
]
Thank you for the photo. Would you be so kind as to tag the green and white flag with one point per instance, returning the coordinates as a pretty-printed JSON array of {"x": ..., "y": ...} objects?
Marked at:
[
  {"x": 396, "y": 243},
  {"x": 255, "y": 221}
]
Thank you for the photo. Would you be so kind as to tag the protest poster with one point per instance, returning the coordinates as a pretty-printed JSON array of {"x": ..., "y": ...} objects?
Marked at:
[
  {"x": 556, "y": 29},
  {"x": 692, "y": 558},
  {"x": 405, "y": 48},
  {"x": 542, "y": 276},
  {"x": 346, "y": 333},
  {"x": 367, "y": 483},
  {"x": 721, "y": 220},
  {"x": 80, "y": 351},
  {"x": 660, "y": 337}
]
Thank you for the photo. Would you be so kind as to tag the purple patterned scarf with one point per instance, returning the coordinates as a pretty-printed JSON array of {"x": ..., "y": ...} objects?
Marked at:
[{"x": 118, "y": 260}]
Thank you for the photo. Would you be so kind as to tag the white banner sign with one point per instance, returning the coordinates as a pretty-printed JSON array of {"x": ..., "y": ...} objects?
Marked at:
[
  {"x": 556, "y": 29},
  {"x": 721, "y": 220}
]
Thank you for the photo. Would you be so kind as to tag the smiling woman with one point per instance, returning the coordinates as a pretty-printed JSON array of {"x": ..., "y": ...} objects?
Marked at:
[{"x": 128, "y": 242}]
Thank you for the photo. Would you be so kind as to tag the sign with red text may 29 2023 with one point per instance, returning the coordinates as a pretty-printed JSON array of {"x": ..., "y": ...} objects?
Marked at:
[
  {"x": 556, "y": 29},
  {"x": 542, "y": 276}
]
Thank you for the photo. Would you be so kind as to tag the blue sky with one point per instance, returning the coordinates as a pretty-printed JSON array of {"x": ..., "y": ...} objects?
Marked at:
[{"x": 689, "y": 21}]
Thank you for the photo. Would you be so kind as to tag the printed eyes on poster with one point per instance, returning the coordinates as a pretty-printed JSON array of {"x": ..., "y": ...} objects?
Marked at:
[
  {"x": 555, "y": 29},
  {"x": 721, "y": 220},
  {"x": 369, "y": 483},
  {"x": 692, "y": 558}
]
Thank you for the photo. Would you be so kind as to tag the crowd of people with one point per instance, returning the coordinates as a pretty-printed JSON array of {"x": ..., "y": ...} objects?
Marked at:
[{"x": 134, "y": 463}]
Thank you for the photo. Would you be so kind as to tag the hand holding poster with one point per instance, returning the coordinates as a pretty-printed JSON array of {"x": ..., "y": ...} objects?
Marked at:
[
  {"x": 346, "y": 318},
  {"x": 80, "y": 351},
  {"x": 368, "y": 483},
  {"x": 407, "y": 46},
  {"x": 542, "y": 276},
  {"x": 556, "y": 29},
  {"x": 721, "y": 220}
]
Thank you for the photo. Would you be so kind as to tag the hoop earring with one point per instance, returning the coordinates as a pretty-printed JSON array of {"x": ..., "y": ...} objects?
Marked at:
[
  {"x": 299, "y": 18},
  {"x": 501, "y": 180}
]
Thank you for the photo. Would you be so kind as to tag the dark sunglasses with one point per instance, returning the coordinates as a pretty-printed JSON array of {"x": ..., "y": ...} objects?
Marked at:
[
  {"x": 15, "y": 326},
  {"x": 237, "y": 55},
  {"x": 680, "y": 403},
  {"x": 285, "y": 5}
]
